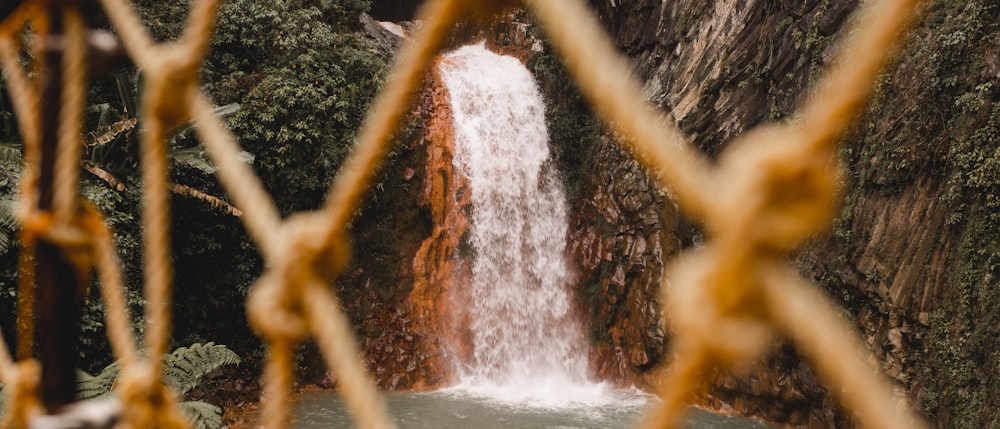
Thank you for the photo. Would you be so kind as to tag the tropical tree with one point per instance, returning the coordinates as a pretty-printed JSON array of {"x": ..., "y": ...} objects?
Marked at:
[
  {"x": 112, "y": 142},
  {"x": 294, "y": 79}
]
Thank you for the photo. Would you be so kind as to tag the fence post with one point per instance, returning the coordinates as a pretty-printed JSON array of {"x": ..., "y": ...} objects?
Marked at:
[{"x": 58, "y": 280}]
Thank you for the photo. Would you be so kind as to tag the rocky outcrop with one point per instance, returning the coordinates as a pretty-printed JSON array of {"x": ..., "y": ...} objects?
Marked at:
[
  {"x": 621, "y": 232},
  {"x": 722, "y": 66},
  {"x": 410, "y": 326},
  {"x": 912, "y": 258},
  {"x": 719, "y": 68},
  {"x": 437, "y": 264}
]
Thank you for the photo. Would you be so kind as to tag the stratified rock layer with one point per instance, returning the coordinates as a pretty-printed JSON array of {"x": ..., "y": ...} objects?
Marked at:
[
  {"x": 913, "y": 257},
  {"x": 719, "y": 68},
  {"x": 621, "y": 232}
]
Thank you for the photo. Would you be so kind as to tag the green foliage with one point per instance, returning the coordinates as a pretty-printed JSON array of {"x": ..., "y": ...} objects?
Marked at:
[
  {"x": 10, "y": 167},
  {"x": 295, "y": 82},
  {"x": 97, "y": 386},
  {"x": 202, "y": 414},
  {"x": 974, "y": 160},
  {"x": 182, "y": 371},
  {"x": 916, "y": 116},
  {"x": 10, "y": 155},
  {"x": 811, "y": 42},
  {"x": 303, "y": 81},
  {"x": 304, "y": 84},
  {"x": 573, "y": 127},
  {"x": 184, "y": 368},
  {"x": 687, "y": 22},
  {"x": 8, "y": 223},
  {"x": 962, "y": 358}
]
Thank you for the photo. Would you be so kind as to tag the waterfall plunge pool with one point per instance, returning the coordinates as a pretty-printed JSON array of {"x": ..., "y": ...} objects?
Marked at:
[{"x": 459, "y": 409}]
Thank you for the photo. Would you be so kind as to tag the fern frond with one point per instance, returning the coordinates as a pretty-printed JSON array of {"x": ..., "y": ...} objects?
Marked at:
[
  {"x": 91, "y": 386},
  {"x": 202, "y": 414},
  {"x": 6, "y": 241},
  {"x": 8, "y": 222},
  {"x": 184, "y": 368},
  {"x": 10, "y": 153},
  {"x": 8, "y": 211}
]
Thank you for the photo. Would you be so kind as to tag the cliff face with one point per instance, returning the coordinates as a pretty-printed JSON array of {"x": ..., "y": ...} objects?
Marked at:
[
  {"x": 438, "y": 263},
  {"x": 719, "y": 68},
  {"x": 621, "y": 232},
  {"x": 913, "y": 257},
  {"x": 409, "y": 252}
]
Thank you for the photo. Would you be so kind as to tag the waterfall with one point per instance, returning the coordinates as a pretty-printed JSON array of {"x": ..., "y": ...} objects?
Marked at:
[{"x": 525, "y": 343}]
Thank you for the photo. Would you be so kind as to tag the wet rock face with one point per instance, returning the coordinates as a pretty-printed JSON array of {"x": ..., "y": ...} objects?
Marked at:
[
  {"x": 912, "y": 257},
  {"x": 406, "y": 240},
  {"x": 621, "y": 230},
  {"x": 437, "y": 264},
  {"x": 720, "y": 68}
]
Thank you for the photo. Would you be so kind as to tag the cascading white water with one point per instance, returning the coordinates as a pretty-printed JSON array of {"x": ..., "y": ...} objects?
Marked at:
[{"x": 526, "y": 347}]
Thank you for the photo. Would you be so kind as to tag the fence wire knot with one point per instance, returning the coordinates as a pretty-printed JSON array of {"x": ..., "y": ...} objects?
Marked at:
[
  {"x": 275, "y": 306},
  {"x": 23, "y": 400},
  {"x": 147, "y": 402}
]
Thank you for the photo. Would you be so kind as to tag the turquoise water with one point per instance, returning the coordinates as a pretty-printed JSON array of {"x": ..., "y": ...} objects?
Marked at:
[{"x": 323, "y": 410}]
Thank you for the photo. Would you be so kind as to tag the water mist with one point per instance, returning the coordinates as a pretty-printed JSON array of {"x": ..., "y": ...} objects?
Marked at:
[{"x": 526, "y": 344}]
